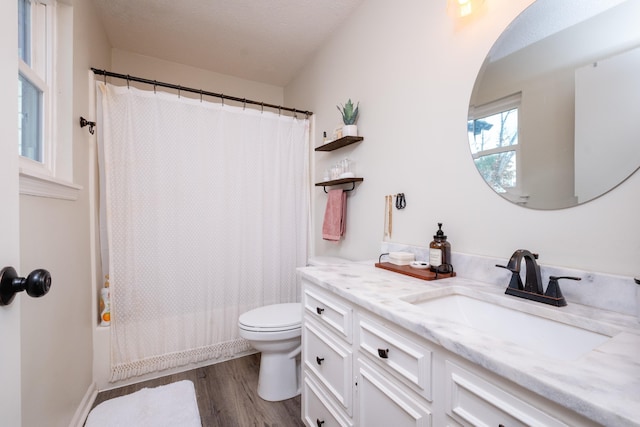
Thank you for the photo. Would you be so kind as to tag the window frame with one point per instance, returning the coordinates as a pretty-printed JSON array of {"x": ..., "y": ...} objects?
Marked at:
[
  {"x": 511, "y": 102},
  {"x": 53, "y": 176},
  {"x": 41, "y": 74}
]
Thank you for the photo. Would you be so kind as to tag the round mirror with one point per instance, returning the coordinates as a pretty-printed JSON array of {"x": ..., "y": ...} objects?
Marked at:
[{"x": 554, "y": 111}]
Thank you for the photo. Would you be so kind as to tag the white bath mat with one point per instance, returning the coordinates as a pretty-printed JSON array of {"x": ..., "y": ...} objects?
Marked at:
[{"x": 165, "y": 406}]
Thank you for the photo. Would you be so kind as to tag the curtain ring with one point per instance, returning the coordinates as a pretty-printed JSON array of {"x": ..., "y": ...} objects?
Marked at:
[
  {"x": 244, "y": 105},
  {"x": 127, "y": 81},
  {"x": 222, "y": 99},
  {"x": 179, "y": 87},
  {"x": 200, "y": 95},
  {"x": 261, "y": 107},
  {"x": 279, "y": 110},
  {"x": 155, "y": 83},
  {"x": 104, "y": 76}
]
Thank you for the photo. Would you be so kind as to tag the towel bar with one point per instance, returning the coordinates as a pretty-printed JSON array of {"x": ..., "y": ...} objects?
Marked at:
[
  {"x": 353, "y": 181},
  {"x": 353, "y": 186}
]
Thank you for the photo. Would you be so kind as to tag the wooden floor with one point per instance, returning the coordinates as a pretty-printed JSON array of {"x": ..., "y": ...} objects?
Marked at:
[{"x": 227, "y": 396}]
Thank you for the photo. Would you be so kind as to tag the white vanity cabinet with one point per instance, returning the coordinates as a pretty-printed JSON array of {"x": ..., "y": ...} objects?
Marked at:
[{"x": 363, "y": 370}]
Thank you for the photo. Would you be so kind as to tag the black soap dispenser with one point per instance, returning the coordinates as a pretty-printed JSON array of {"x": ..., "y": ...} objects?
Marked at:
[{"x": 439, "y": 251}]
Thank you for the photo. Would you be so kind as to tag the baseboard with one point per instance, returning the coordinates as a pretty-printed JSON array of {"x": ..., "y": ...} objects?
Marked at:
[{"x": 85, "y": 406}]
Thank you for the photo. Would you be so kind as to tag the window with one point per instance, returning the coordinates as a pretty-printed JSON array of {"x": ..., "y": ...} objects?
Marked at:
[
  {"x": 493, "y": 138},
  {"x": 35, "y": 80},
  {"x": 45, "y": 67}
]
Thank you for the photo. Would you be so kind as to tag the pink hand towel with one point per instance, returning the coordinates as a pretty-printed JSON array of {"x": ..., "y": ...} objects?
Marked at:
[{"x": 335, "y": 214}]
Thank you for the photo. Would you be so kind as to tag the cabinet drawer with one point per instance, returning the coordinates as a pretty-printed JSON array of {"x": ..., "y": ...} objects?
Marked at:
[
  {"x": 383, "y": 403},
  {"x": 317, "y": 409},
  {"x": 474, "y": 401},
  {"x": 330, "y": 361},
  {"x": 329, "y": 311},
  {"x": 404, "y": 358}
]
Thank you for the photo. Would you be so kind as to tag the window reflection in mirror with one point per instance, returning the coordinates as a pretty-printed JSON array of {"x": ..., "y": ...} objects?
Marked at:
[{"x": 493, "y": 139}]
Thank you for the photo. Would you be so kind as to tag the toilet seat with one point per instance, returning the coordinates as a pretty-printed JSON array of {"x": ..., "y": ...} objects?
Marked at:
[{"x": 272, "y": 318}]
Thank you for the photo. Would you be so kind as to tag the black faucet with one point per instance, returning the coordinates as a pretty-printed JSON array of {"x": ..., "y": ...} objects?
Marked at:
[{"x": 532, "y": 288}]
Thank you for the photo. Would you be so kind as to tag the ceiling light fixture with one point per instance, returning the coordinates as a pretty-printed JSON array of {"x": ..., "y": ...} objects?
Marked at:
[{"x": 464, "y": 8}]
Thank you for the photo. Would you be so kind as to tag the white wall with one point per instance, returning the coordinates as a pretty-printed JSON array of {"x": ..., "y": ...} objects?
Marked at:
[
  {"x": 170, "y": 72},
  {"x": 412, "y": 67},
  {"x": 607, "y": 108},
  {"x": 56, "y": 347}
]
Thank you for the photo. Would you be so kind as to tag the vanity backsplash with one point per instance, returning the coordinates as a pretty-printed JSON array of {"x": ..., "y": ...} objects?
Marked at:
[{"x": 600, "y": 290}]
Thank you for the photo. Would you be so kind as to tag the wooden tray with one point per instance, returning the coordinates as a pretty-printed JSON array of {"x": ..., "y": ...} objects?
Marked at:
[{"x": 424, "y": 274}]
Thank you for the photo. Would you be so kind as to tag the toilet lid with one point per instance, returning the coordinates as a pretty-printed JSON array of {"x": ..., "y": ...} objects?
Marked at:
[{"x": 276, "y": 317}]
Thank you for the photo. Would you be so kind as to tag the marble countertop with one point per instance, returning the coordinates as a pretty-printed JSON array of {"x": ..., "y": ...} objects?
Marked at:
[{"x": 602, "y": 385}]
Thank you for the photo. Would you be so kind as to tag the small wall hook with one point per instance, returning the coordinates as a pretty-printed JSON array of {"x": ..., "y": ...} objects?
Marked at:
[{"x": 92, "y": 125}]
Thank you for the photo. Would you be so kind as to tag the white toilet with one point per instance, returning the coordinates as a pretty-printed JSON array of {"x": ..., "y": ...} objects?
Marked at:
[{"x": 275, "y": 330}]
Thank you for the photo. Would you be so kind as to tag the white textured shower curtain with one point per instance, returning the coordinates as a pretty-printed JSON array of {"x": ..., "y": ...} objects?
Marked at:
[{"x": 206, "y": 210}]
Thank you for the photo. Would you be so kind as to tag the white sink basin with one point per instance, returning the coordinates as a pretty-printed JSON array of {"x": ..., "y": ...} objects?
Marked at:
[{"x": 541, "y": 335}]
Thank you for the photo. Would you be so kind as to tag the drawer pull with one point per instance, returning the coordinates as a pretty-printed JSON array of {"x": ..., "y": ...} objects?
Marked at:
[
  {"x": 319, "y": 311},
  {"x": 384, "y": 354},
  {"x": 319, "y": 360},
  {"x": 319, "y": 422}
]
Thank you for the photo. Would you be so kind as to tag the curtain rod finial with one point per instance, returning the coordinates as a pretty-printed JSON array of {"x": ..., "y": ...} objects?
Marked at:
[{"x": 84, "y": 122}]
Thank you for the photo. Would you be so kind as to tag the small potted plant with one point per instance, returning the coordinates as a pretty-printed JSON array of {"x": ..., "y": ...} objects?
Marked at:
[{"x": 349, "y": 118}]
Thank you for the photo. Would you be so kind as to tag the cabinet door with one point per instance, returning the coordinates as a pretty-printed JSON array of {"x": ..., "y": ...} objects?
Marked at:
[
  {"x": 317, "y": 410},
  {"x": 384, "y": 402},
  {"x": 473, "y": 401},
  {"x": 330, "y": 361}
]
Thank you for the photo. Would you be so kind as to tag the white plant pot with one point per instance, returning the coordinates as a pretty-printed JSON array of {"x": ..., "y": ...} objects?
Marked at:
[{"x": 350, "y": 130}]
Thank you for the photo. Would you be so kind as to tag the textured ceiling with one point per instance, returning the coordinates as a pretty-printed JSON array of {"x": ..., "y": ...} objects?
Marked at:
[
  {"x": 545, "y": 18},
  {"x": 262, "y": 40}
]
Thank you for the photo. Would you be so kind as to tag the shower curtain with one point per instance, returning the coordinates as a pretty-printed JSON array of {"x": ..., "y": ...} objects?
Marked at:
[{"x": 204, "y": 215}]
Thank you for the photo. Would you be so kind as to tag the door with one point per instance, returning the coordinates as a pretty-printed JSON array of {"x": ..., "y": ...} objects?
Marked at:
[{"x": 10, "y": 389}]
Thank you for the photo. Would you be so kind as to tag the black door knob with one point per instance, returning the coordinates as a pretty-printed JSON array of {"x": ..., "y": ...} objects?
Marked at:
[{"x": 37, "y": 284}]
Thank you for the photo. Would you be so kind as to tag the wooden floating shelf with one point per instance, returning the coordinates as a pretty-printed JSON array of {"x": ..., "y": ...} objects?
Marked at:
[
  {"x": 339, "y": 143},
  {"x": 407, "y": 270},
  {"x": 338, "y": 182}
]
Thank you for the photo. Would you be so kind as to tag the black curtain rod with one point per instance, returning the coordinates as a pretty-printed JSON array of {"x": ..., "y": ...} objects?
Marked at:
[{"x": 201, "y": 92}]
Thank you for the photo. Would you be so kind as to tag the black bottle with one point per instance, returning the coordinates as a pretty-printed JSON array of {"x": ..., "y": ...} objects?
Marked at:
[{"x": 439, "y": 250}]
